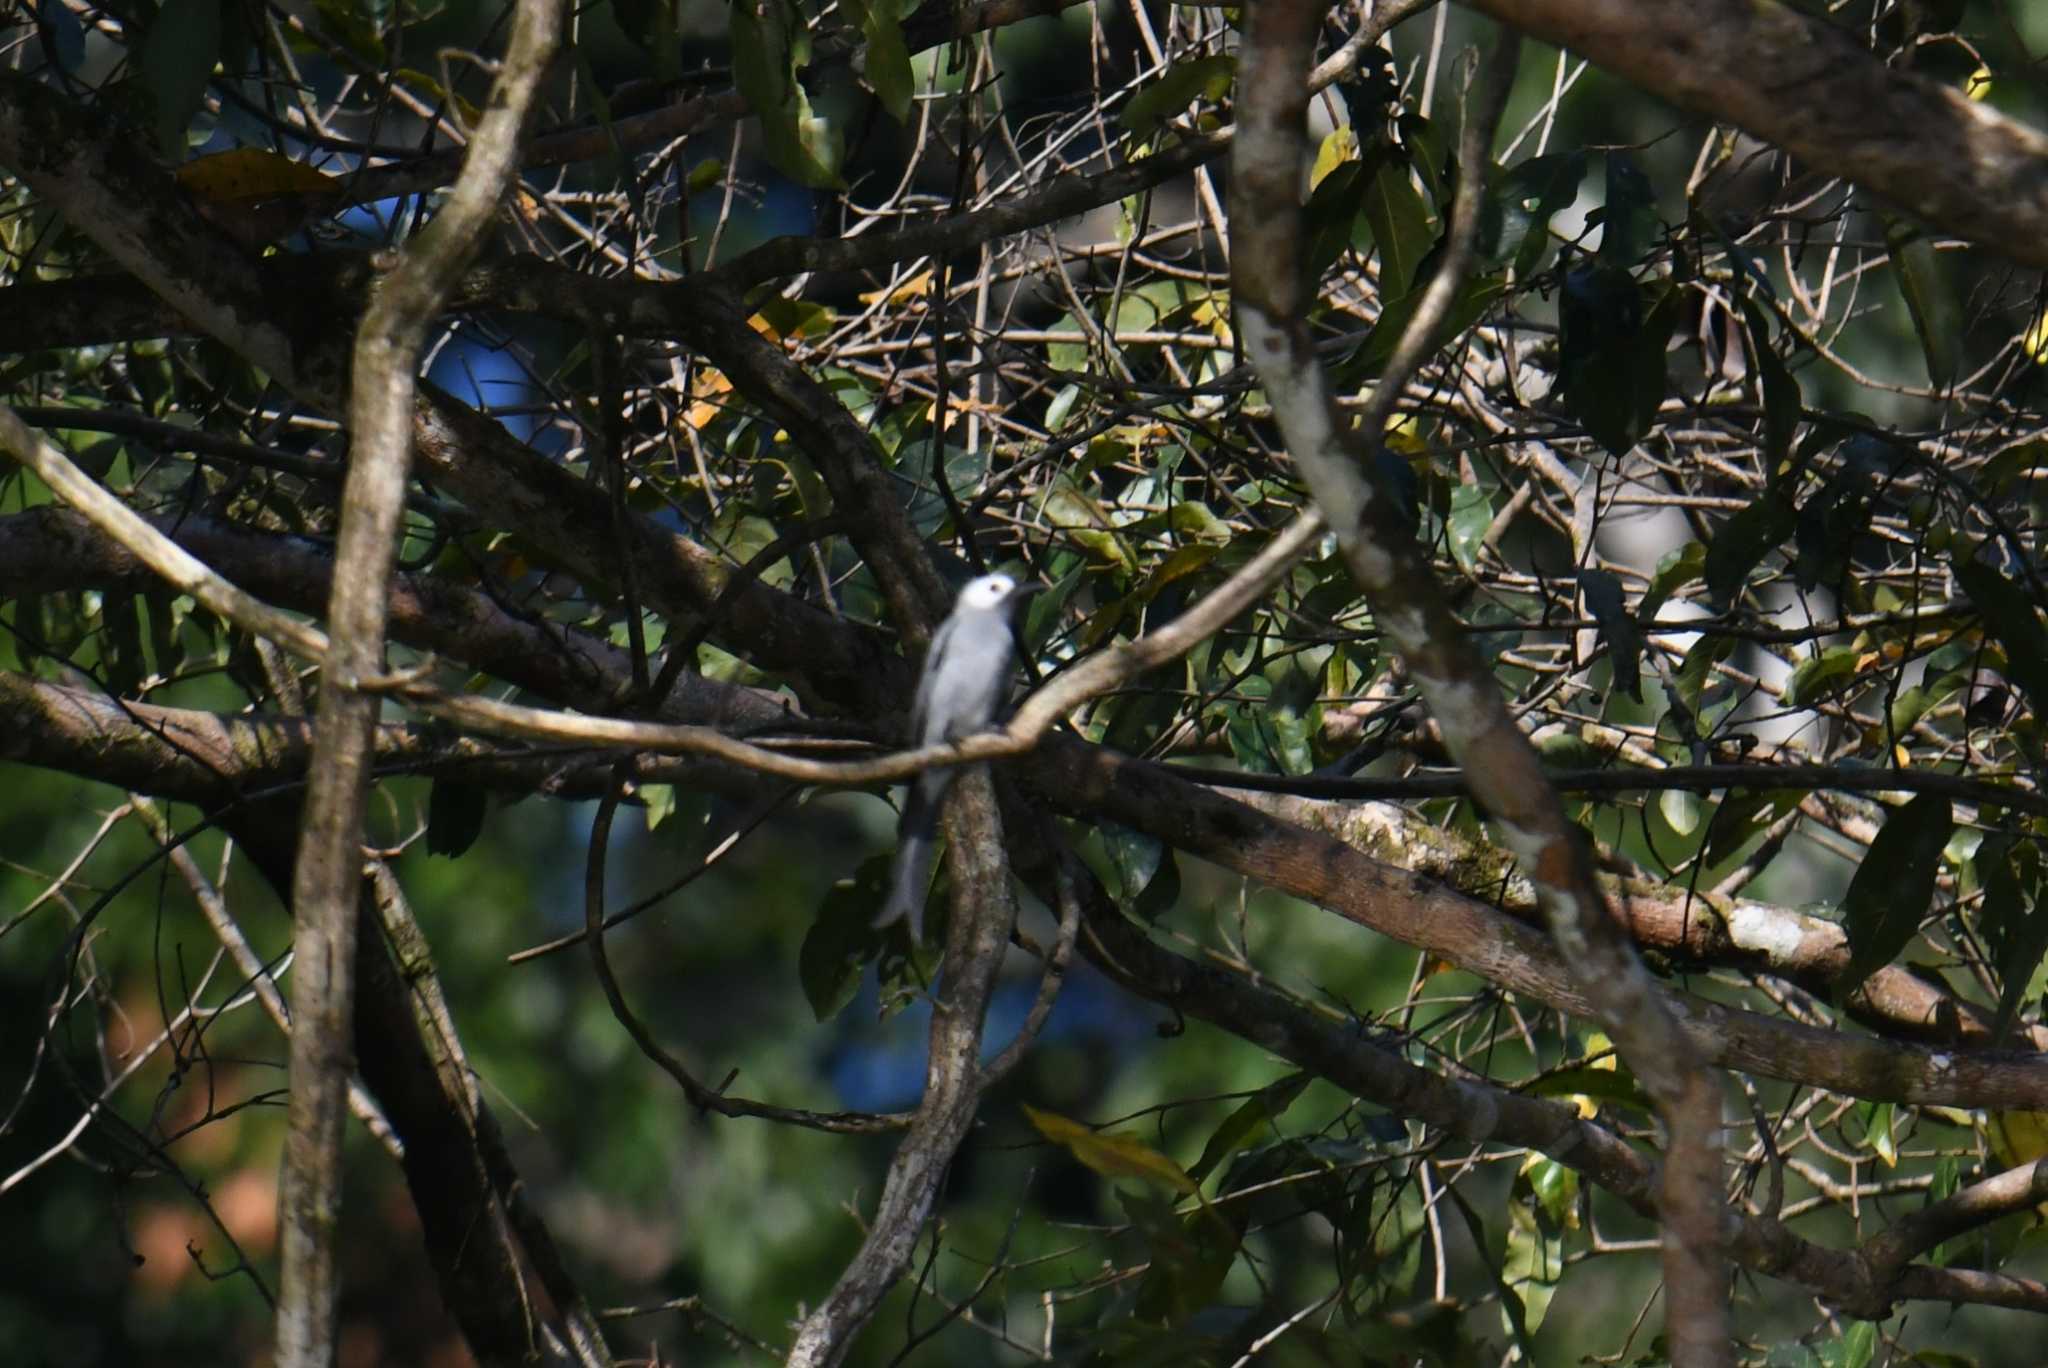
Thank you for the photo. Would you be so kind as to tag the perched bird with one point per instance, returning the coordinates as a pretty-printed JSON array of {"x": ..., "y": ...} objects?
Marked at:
[{"x": 966, "y": 676}]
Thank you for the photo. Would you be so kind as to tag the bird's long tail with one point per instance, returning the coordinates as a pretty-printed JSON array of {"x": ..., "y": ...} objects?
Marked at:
[{"x": 917, "y": 842}]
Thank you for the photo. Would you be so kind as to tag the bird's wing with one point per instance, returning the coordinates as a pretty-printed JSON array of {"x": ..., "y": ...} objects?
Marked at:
[{"x": 922, "y": 732}]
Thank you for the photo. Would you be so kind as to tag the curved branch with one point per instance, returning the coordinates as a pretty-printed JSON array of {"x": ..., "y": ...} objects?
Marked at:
[{"x": 1809, "y": 87}]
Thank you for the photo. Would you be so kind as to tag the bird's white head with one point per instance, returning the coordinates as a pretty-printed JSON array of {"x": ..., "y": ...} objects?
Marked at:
[{"x": 987, "y": 593}]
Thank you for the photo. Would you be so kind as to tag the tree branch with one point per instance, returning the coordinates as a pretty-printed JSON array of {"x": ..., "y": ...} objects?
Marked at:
[{"x": 327, "y": 876}]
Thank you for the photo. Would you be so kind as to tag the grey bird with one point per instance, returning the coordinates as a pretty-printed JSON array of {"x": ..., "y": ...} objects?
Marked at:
[{"x": 966, "y": 678}]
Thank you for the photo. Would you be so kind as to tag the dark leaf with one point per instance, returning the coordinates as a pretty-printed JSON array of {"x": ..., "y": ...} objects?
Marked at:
[
  {"x": 1329, "y": 217},
  {"x": 842, "y": 940},
  {"x": 176, "y": 63},
  {"x": 1514, "y": 224},
  {"x": 2013, "y": 920},
  {"x": 1889, "y": 896},
  {"x": 1190, "y": 1255},
  {"x": 2009, "y": 615},
  {"x": 1780, "y": 389},
  {"x": 1370, "y": 92},
  {"x": 1930, "y": 299},
  {"x": 1744, "y": 540},
  {"x": 1433, "y": 158},
  {"x": 1822, "y": 675},
  {"x": 1827, "y": 528},
  {"x": 455, "y": 816},
  {"x": 1628, "y": 219},
  {"x": 1472, "y": 301},
  {"x": 1605, "y": 601},
  {"x": 1399, "y": 220},
  {"x": 1177, "y": 88},
  {"x": 63, "y": 35},
  {"x": 121, "y": 654},
  {"x": 1162, "y": 893},
  {"x": 1611, "y": 359}
]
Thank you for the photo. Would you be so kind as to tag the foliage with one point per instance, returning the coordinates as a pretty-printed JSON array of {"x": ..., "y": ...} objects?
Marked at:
[{"x": 1734, "y": 475}]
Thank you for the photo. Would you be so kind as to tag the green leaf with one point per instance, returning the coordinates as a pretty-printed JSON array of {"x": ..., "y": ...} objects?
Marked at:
[
  {"x": 1855, "y": 1348},
  {"x": 1605, "y": 601},
  {"x": 842, "y": 940},
  {"x": 1472, "y": 301},
  {"x": 1111, "y": 1155},
  {"x": 1615, "y": 1086},
  {"x": 1744, "y": 540},
  {"x": 1471, "y": 514},
  {"x": 1189, "y": 1256},
  {"x": 1878, "y": 1119},
  {"x": 1690, "y": 680},
  {"x": 769, "y": 46},
  {"x": 1687, "y": 563},
  {"x": 361, "y": 33},
  {"x": 1743, "y": 815},
  {"x": 1134, "y": 859},
  {"x": 1510, "y": 1300},
  {"x": 1177, "y": 88},
  {"x": 1916, "y": 701},
  {"x": 455, "y": 816},
  {"x": 1931, "y": 300},
  {"x": 1889, "y": 896},
  {"x": 1681, "y": 810},
  {"x": 886, "y": 61},
  {"x": 1533, "y": 1261},
  {"x": 1329, "y": 218},
  {"x": 1430, "y": 153},
  {"x": 1259, "y": 1110},
  {"x": 964, "y": 470},
  {"x": 1821, "y": 676},
  {"x": 1076, "y": 513},
  {"x": 1399, "y": 220},
  {"x": 657, "y": 804},
  {"x": 176, "y": 62}
]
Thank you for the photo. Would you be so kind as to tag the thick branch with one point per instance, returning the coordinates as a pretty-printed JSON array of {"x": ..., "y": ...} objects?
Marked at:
[
  {"x": 1813, "y": 90},
  {"x": 327, "y": 877},
  {"x": 1385, "y": 561}
]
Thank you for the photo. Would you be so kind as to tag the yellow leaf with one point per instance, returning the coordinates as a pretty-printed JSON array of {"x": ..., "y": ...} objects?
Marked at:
[
  {"x": 1183, "y": 561},
  {"x": 908, "y": 292},
  {"x": 1112, "y": 1156},
  {"x": 1403, "y": 437},
  {"x": 2017, "y": 1137},
  {"x": 2034, "y": 341},
  {"x": 471, "y": 115},
  {"x": 1978, "y": 85},
  {"x": 1600, "y": 1055},
  {"x": 250, "y": 173},
  {"x": 710, "y": 387},
  {"x": 1339, "y": 147}
]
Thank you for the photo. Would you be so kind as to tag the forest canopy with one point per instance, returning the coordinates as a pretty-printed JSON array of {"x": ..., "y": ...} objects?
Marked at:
[{"x": 1516, "y": 831}]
